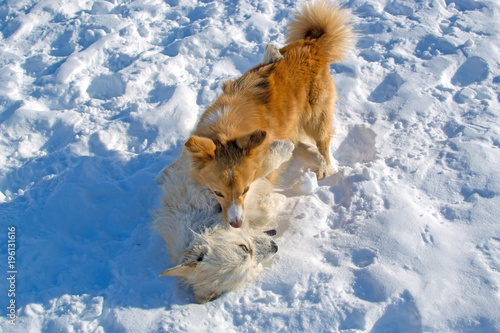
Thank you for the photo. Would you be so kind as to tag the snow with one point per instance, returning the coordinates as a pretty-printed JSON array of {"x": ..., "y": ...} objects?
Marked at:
[{"x": 96, "y": 97}]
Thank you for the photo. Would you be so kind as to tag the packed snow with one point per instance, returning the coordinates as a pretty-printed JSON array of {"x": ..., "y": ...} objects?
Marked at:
[{"x": 97, "y": 97}]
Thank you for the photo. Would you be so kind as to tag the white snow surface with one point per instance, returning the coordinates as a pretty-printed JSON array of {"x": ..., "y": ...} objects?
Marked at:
[{"x": 96, "y": 97}]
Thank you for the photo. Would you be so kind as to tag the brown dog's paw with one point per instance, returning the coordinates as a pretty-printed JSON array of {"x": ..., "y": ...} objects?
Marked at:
[{"x": 324, "y": 171}]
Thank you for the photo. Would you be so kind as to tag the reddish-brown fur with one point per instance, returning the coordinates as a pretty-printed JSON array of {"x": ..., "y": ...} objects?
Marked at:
[{"x": 288, "y": 99}]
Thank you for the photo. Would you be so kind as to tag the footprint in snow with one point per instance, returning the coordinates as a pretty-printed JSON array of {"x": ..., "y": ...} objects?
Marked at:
[
  {"x": 363, "y": 257},
  {"x": 367, "y": 10},
  {"x": 355, "y": 320},
  {"x": 367, "y": 288},
  {"x": 400, "y": 316},
  {"x": 365, "y": 42},
  {"x": 464, "y": 5},
  {"x": 398, "y": 9},
  {"x": 474, "y": 69},
  {"x": 431, "y": 46},
  {"x": 332, "y": 258},
  {"x": 387, "y": 89},
  {"x": 347, "y": 70},
  {"x": 357, "y": 147},
  {"x": 372, "y": 28},
  {"x": 119, "y": 61},
  {"x": 490, "y": 253},
  {"x": 106, "y": 87},
  {"x": 496, "y": 80},
  {"x": 427, "y": 236},
  {"x": 371, "y": 55},
  {"x": 160, "y": 93},
  {"x": 63, "y": 45}
]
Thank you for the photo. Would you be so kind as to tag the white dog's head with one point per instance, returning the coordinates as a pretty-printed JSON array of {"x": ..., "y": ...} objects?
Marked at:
[{"x": 223, "y": 259}]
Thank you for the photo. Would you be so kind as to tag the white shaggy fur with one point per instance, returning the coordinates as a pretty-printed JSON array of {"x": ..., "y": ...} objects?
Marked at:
[{"x": 210, "y": 257}]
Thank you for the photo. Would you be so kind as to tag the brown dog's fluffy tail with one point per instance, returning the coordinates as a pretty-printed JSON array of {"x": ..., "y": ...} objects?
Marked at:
[{"x": 325, "y": 23}]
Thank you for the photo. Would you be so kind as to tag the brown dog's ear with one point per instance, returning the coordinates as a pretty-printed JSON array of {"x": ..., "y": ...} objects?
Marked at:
[
  {"x": 229, "y": 87},
  {"x": 251, "y": 141},
  {"x": 202, "y": 149},
  {"x": 200, "y": 146}
]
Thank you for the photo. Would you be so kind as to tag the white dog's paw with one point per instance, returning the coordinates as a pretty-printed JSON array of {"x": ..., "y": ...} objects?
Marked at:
[
  {"x": 272, "y": 203},
  {"x": 271, "y": 54},
  {"x": 283, "y": 149},
  {"x": 279, "y": 152}
]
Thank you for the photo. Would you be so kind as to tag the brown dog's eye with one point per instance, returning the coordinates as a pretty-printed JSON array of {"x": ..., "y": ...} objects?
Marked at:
[
  {"x": 218, "y": 194},
  {"x": 244, "y": 247},
  {"x": 245, "y": 191}
]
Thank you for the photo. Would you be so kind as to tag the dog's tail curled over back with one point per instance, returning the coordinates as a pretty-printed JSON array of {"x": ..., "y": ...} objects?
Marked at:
[{"x": 325, "y": 23}]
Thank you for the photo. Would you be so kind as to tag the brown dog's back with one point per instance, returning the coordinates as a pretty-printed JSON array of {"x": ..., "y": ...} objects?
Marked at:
[{"x": 288, "y": 99}]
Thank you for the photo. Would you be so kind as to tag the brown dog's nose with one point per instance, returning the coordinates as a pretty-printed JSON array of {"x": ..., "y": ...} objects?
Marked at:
[{"x": 236, "y": 224}]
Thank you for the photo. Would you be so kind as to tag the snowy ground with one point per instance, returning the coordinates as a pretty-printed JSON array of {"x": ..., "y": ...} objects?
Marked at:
[{"x": 96, "y": 97}]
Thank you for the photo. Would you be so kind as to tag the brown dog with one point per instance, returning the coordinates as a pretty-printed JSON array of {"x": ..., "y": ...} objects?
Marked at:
[{"x": 291, "y": 98}]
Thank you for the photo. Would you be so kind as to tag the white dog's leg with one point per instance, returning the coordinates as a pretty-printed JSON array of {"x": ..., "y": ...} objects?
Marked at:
[
  {"x": 279, "y": 152},
  {"x": 261, "y": 203},
  {"x": 271, "y": 54}
]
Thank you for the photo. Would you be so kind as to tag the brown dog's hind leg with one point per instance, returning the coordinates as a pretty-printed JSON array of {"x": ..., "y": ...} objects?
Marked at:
[
  {"x": 320, "y": 130},
  {"x": 308, "y": 152},
  {"x": 312, "y": 156},
  {"x": 325, "y": 169}
]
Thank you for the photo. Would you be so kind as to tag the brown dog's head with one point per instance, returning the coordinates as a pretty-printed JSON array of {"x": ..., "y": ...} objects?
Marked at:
[{"x": 227, "y": 168}]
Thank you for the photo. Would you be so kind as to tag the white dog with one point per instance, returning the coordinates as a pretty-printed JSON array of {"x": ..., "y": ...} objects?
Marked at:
[{"x": 210, "y": 257}]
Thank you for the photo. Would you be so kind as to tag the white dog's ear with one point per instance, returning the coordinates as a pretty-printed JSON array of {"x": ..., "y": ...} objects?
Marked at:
[
  {"x": 251, "y": 141},
  {"x": 202, "y": 150},
  {"x": 179, "y": 270},
  {"x": 191, "y": 258}
]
